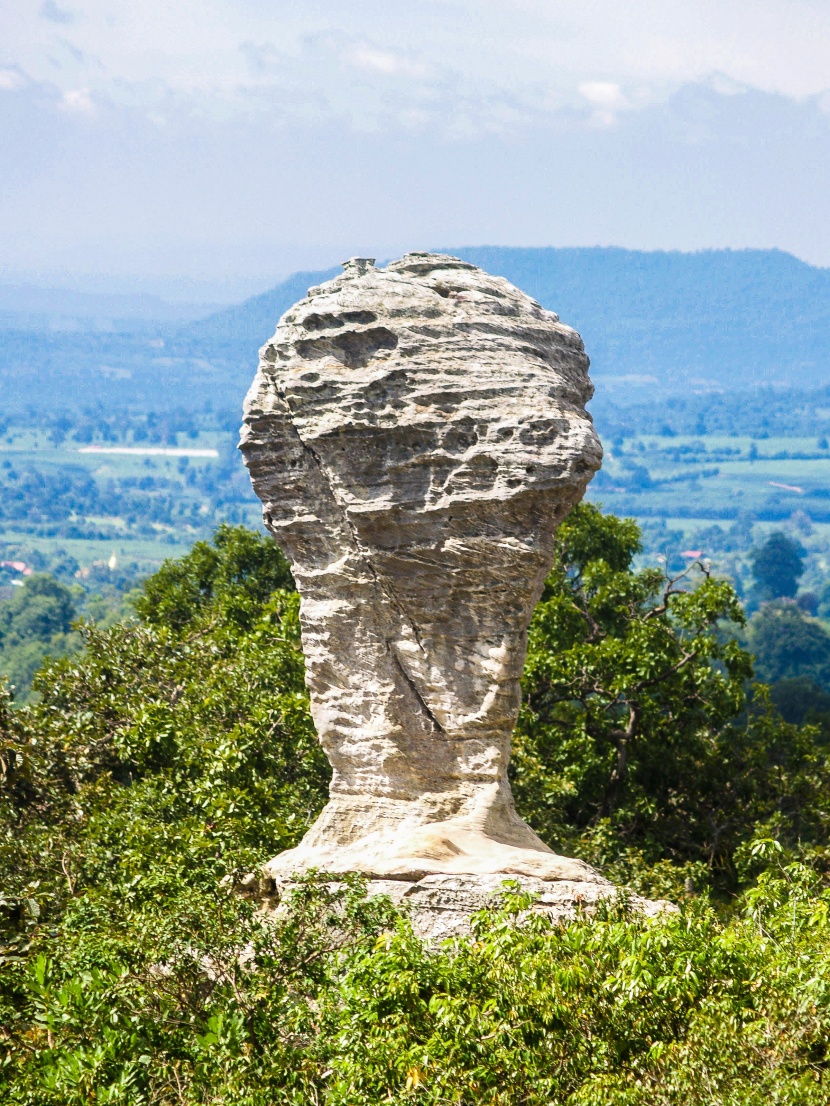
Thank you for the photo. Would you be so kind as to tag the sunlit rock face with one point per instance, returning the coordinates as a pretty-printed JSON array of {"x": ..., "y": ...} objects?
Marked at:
[{"x": 416, "y": 434}]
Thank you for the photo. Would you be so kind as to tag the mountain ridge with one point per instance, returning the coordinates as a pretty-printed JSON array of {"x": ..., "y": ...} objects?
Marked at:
[
  {"x": 711, "y": 318},
  {"x": 653, "y": 322}
]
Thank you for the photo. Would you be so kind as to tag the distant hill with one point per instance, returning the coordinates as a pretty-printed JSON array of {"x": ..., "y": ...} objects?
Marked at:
[
  {"x": 253, "y": 322},
  {"x": 716, "y": 318},
  {"x": 713, "y": 319},
  {"x": 26, "y": 307},
  {"x": 141, "y": 365},
  {"x": 653, "y": 323}
]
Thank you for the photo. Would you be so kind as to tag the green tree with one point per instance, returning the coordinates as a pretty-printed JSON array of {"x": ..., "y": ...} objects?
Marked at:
[
  {"x": 788, "y": 644},
  {"x": 777, "y": 566},
  {"x": 234, "y": 576},
  {"x": 800, "y": 700},
  {"x": 173, "y": 754},
  {"x": 636, "y": 745},
  {"x": 40, "y": 609},
  {"x": 199, "y": 722},
  {"x": 35, "y": 623}
]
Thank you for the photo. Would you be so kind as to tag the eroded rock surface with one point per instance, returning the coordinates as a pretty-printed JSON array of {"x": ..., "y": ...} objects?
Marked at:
[
  {"x": 416, "y": 433},
  {"x": 441, "y": 906}
]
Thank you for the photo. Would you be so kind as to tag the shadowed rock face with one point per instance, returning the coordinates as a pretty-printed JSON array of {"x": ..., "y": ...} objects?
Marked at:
[{"x": 416, "y": 434}]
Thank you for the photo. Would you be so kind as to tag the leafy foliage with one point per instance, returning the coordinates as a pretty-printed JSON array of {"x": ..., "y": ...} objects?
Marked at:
[
  {"x": 788, "y": 644},
  {"x": 636, "y": 744},
  {"x": 236, "y": 575},
  {"x": 337, "y": 1001},
  {"x": 777, "y": 566},
  {"x": 34, "y": 623},
  {"x": 164, "y": 749},
  {"x": 174, "y": 753},
  {"x": 40, "y": 619},
  {"x": 799, "y": 700}
]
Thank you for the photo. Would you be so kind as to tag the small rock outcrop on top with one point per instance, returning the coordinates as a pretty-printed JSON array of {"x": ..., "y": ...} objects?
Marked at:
[{"x": 416, "y": 433}]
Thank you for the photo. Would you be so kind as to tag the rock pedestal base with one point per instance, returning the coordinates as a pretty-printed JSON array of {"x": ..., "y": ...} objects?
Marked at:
[{"x": 442, "y": 906}]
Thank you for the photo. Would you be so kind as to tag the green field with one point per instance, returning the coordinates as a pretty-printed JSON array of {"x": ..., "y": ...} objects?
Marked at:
[
  {"x": 716, "y": 478},
  {"x": 146, "y": 555},
  {"x": 720, "y": 495},
  {"x": 34, "y": 446},
  {"x": 63, "y": 493}
]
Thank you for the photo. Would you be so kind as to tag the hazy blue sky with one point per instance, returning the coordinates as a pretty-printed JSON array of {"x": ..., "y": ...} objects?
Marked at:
[{"x": 231, "y": 141}]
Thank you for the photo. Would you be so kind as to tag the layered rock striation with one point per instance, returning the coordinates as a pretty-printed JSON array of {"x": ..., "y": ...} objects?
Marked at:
[{"x": 416, "y": 433}]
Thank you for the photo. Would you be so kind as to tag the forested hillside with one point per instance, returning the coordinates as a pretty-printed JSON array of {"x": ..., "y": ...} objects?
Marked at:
[
  {"x": 174, "y": 752},
  {"x": 713, "y": 319},
  {"x": 733, "y": 319}
]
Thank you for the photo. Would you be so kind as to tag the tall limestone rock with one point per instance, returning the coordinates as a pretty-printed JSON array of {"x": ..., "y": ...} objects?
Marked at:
[{"x": 416, "y": 434}]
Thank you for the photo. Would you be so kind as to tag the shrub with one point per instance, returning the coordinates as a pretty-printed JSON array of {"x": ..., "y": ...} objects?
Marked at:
[{"x": 176, "y": 752}]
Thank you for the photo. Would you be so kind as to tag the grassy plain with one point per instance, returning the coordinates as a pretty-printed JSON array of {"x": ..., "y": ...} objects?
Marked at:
[
  {"x": 57, "y": 497},
  {"x": 720, "y": 494},
  {"x": 715, "y": 478},
  {"x": 147, "y": 554}
]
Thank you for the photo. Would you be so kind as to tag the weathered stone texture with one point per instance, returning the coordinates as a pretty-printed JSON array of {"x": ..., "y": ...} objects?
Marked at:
[
  {"x": 416, "y": 433},
  {"x": 440, "y": 906}
]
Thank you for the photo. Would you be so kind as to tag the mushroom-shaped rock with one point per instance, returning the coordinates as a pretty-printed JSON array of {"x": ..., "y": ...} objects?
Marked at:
[{"x": 416, "y": 433}]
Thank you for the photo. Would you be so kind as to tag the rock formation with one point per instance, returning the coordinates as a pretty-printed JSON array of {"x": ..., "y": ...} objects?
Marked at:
[{"x": 416, "y": 434}]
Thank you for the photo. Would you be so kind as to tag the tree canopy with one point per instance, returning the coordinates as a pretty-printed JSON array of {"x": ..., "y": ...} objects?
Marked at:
[
  {"x": 637, "y": 741},
  {"x": 34, "y": 623},
  {"x": 777, "y": 566},
  {"x": 788, "y": 644},
  {"x": 158, "y": 765}
]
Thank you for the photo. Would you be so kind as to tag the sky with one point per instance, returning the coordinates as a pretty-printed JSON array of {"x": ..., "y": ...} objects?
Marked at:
[{"x": 206, "y": 148}]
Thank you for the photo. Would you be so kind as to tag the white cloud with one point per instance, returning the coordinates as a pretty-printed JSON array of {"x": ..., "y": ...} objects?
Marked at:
[
  {"x": 245, "y": 192},
  {"x": 524, "y": 51},
  {"x": 78, "y": 100},
  {"x": 603, "y": 94},
  {"x": 606, "y": 98},
  {"x": 726, "y": 86},
  {"x": 11, "y": 80},
  {"x": 384, "y": 61},
  {"x": 529, "y": 121}
]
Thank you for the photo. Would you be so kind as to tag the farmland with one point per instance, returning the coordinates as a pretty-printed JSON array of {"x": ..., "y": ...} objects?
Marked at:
[
  {"x": 134, "y": 486},
  {"x": 144, "y": 487}
]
